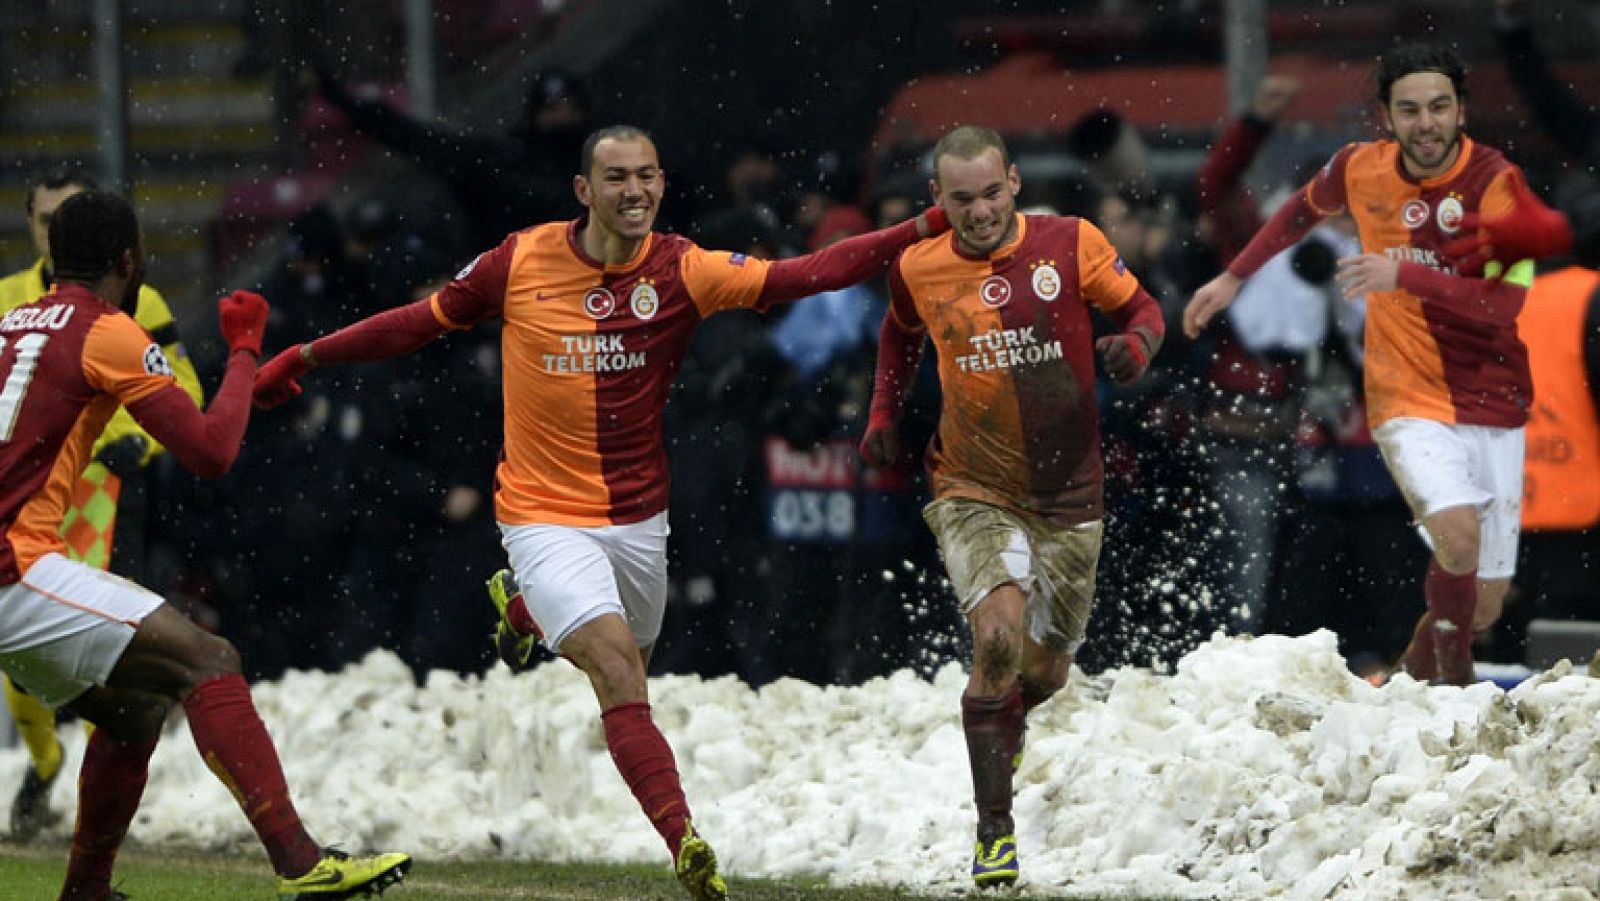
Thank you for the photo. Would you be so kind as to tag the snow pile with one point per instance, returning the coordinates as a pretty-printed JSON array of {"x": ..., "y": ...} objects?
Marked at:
[{"x": 1262, "y": 768}]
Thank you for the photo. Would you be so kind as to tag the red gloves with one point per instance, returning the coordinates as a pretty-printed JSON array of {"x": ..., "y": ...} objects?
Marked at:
[
  {"x": 1530, "y": 231},
  {"x": 1124, "y": 355},
  {"x": 880, "y": 446},
  {"x": 243, "y": 316},
  {"x": 275, "y": 382}
]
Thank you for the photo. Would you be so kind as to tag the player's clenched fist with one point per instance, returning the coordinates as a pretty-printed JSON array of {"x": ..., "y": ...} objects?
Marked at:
[
  {"x": 243, "y": 316},
  {"x": 275, "y": 382},
  {"x": 1125, "y": 356},
  {"x": 1212, "y": 298},
  {"x": 880, "y": 446}
]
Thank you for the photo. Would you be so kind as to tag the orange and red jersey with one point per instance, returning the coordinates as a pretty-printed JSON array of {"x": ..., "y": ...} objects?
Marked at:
[
  {"x": 1019, "y": 426},
  {"x": 67, "y": 362},
  {"x": 589, "y": 352},
  {"x": 1425, "y": 357}
]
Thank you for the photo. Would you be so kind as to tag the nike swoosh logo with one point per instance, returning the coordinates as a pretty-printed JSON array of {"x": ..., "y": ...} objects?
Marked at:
[
  {"x": 331, "y": 879},
  {"x": 540, "y": 295}
]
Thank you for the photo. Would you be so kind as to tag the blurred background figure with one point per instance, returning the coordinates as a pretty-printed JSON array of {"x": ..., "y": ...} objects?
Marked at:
[
  {"x": 1561, "y": 476},
  {"x": 1250, "y": 413},
  {"x": 502, "y": 182}
]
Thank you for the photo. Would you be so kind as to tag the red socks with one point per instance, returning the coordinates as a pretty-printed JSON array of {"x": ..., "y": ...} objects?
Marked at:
[
  {"x": 646, "y": 763},
  {"x": 1437, "y": 649},
  {"x": 1452, "y": 597},
  {"x": 109, "y": 787},
  {"x": 993, "y": 726},
  {"x": 235, "y": 745}
]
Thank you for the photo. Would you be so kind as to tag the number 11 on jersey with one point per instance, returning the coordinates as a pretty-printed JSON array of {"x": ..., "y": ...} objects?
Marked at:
[{"x": 29, "y": 347}]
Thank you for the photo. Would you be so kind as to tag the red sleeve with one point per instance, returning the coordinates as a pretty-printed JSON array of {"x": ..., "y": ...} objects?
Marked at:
[
  {"x": 838, "y": 265},
  {"x": 478, "y": 292},
  {"x": 205, "y": 443},
  {"x": 1327, "y": 192},
  {"x": 900, "y": 341},
  {"x": 1225, "y": 165},
  {"x": 1284, "y": 230},
  {"x": 392, "y": 333},
  {"x": 1141, "y": 316},
  {"x": 1494, "y": 301}
]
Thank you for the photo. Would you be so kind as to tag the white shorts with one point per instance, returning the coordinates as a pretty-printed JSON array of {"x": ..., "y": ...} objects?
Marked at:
[
  {"x": 1439, "y": 465},
  {"x": 65, "y": 625},
  {"x": 571, "y": 575}
]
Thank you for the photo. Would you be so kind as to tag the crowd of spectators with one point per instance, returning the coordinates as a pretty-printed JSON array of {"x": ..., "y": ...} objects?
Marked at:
[{"x": 1241, "y": 467}]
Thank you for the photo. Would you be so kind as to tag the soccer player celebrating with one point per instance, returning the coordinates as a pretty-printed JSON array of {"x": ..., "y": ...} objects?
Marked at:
[
  {"x": 1015, "y": 464},
  {"x": 111, "y": 651},
  {"x": 113, "y": 475},
  {"x": 1447, "y": 380},
  {"x": 598, "y": 315}
]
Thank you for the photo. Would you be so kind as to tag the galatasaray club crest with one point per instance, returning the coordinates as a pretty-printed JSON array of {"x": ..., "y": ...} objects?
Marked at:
[
  {"x": 995, "y": 291},
  {"x": 644, "y": 301},
  {"x": 1414, "y": 213},
  {"x": 1450, "y": 212},
  {"x": 1046, "y": 280},
  {"x": 599, "y": 303}
]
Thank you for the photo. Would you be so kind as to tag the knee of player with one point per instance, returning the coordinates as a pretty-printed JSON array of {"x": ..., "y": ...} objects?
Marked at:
[
  {"x": 211, "y": 656},
  {"x": 1457, "y": 549},
  {"x": 996, "y": 649},
  {"x": 137, "y": 721},
  {"x": 616, "y": 670}
]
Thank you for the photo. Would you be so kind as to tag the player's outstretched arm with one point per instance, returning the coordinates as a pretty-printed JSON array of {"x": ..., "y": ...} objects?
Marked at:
[
  {"x": 208, "y": 443},
  {"x": 847, "y": 262},
  {"x": 1285, "y": 229},
  {"x": 1212, "y": 298},
  {"x": 381, "y": 336},
  {"x": 1530, "y": 230}
]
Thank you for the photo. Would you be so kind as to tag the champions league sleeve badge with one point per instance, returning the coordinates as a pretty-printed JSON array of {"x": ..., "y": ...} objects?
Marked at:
[{"x": 155, "y": 362}]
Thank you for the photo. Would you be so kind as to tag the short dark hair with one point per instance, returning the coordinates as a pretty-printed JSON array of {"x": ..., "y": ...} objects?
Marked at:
[
  {"x": 1398, "y": 62},
  {"x": 609, "y": 133},
  {"x": 967, "y": 142},
  {"x": 89, "y": 234},
  {"x": 55, "y": 181}
]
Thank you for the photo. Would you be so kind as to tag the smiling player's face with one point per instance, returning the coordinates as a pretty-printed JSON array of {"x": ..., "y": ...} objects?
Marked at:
[
  {"x": 623, "y": 187},
  {"x": 1426, "y": 117}
]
